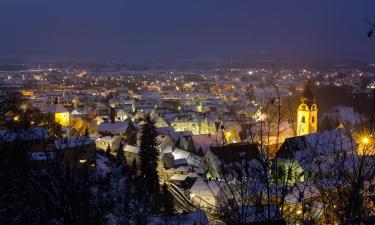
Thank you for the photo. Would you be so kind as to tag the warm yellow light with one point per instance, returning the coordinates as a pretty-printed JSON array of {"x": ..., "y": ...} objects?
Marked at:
[
  {"x": 62, "y": 118},
  {"x": 16, "y": 118},
  {"x": 365, "y": 140},
  {"x": 229, "y": 134},
  {"x": 299, "y": 212}
]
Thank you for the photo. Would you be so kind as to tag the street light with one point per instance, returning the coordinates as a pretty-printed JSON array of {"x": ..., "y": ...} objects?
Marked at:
[{"x": 365, "y": 140}]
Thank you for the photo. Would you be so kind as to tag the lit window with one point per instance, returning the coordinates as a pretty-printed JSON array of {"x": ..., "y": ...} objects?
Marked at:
[{"x": 82, "y": 160}]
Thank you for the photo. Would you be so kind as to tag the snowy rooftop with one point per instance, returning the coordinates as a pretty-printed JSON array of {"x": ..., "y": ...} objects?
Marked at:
[
  {"x": 118, "y": 127},
  {"x": 73, "y": 142},
  {"x": 132, "y": 149},
  {"x": 108, "y": 139},
  {"x": 30, "y": 134}
]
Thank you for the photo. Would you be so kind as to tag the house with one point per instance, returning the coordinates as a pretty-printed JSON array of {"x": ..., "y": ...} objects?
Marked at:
[
  {"x": 167, "y": 160},
  {"x": 76, "y": 152},
  {"x": 116, "y": 128},
  {"x": 165, "y": 142},
  {"x": 112, "y": 142},
  {"x": 185, "y": 158},
  {"x": 35, "y": 141},
  {"x": 184, "y": 180},
  {"x": 185, "y": 122},
  {"x": 229, "y": 155},
  {"x": 60, "y": 113},
  {"x": 209, "y": 194},
  {"x": 203, "y": 142},
  {"x": 131, "y": 153},
  {"x": 303, "y": 157}
]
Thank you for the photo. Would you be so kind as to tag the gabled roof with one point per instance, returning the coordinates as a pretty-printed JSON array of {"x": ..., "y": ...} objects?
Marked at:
[
  {"x": 232, "y": 153},
  {"x": 203, "y": 141},
  {"x": 131, "y": 148},
  {"x": 73, "y": 142},
  {"x": 57, "y": 108},
  {"x": 117, "y": 127},
  {"x": 320, "y": 143},
  {"x": 29, "y": 134}
]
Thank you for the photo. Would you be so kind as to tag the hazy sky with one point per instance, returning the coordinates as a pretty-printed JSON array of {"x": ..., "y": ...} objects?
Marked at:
[{"x": 256, "y": 29}]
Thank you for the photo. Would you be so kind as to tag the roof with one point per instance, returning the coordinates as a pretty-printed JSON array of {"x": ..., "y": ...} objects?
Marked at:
[
  {"x": 232, "y": 153},
  {"x": 118, "y": 127},
  {"x": 57, "y": 108},
  {"x": 29, "y": 134},
  {"x": 107, "y": 139},
  {"x": 320, "y": 143},
  {"x": 132, "y": 149},
  {"x": 179, "y": 177},
  {"x": 73, "y": 142},
  {"x": 207, "y": 188},
  {"x": 203, "y": 141},
  {"x": 76, "y": 112}
]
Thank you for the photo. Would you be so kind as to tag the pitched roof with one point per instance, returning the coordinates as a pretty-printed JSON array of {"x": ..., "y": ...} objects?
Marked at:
[
  {"x": 29, "y": 134},
  {"x": 57, "y": 108},
  {"x": 232, "y": 153},
  {"x": 118, "y": 127},
  {"x": 73, "y": 142}
]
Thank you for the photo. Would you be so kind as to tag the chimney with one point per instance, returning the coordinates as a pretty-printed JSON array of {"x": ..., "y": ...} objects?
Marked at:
[{"x": 112, "y": 114}]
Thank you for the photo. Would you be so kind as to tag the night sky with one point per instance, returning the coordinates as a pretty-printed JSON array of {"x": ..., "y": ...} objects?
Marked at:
[{"x": 170, "y": 29}]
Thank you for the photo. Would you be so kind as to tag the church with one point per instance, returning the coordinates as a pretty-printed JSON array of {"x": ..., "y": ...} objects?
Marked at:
[{"x": 307, "y": 113}]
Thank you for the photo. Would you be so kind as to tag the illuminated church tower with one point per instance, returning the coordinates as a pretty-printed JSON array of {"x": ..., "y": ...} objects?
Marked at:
[
  {"x": 60, "y": 113},
  {"x": 307, "y": 113}
]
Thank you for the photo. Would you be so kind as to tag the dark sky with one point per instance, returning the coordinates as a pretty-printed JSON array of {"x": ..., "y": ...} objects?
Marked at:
[{"x": 246, "y": 29}]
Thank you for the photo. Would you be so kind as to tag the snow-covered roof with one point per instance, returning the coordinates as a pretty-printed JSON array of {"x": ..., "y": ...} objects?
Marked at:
[
  {"x": 107, "y": 139},
  {"x": 76, "y": 112},
  {"x": 207, "y": 188},
  {"x": 302, "y": 190},
  {"x": 117, "y": 127},
  {"x": 179, "y": 177},
  {"x": 203, "y": 141},
  {"x": 30, "y": 134},
  {"x": 132, "y": 149},
  {"x": 73, "y": 142}
]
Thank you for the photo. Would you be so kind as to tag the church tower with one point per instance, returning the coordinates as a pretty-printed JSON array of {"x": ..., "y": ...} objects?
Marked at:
[{"x": 307, "y": 113}]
